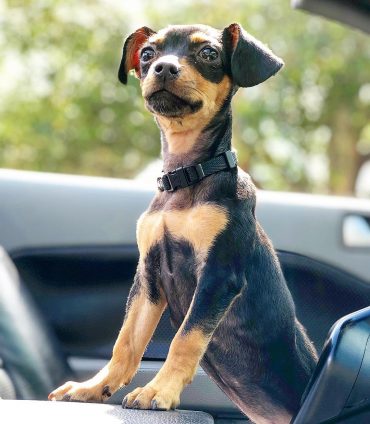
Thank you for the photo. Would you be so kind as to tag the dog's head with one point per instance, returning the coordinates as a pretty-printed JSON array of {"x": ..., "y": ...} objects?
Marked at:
[{"x": 186, "y": 69}]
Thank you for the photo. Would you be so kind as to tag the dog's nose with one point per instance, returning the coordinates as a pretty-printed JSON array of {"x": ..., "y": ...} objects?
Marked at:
[{"x": 166, "y": 70}]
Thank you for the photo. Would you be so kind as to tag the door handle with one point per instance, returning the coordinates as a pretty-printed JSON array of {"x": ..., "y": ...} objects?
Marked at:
[{"x": 356, "y": 231}]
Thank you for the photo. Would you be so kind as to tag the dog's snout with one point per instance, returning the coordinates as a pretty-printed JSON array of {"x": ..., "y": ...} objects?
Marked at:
[{"x": 166, "y": 70}]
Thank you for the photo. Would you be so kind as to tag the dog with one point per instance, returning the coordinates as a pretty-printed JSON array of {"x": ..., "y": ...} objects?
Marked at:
[{"x": 202, "y": 252}]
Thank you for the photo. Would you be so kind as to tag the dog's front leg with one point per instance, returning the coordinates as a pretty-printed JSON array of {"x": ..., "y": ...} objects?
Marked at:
[
  {"x": 216, "y": 290},
  {"x": 142, "y": 317}
]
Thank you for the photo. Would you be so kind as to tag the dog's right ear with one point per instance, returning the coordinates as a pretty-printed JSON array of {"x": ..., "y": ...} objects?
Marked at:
[
  {"x": 130, "y": 56},
  {"x": 251, "y": 62}
]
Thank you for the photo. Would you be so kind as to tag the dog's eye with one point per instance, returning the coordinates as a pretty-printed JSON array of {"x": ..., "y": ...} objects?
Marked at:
[
  {"x": 208, "y": 53},
  {"x": 147, "y": 54}
]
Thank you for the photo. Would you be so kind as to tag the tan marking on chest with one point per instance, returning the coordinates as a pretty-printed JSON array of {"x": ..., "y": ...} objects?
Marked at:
[
  {"x": 149, "y": 230},
  {"x": 199, "y": 226}
]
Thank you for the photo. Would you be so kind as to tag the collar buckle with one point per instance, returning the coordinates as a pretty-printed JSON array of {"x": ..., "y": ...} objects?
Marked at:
[
  {"x": 230, "y": 159},
  {"x": 177, "y": 178},
  {"x": 200, "y": 171},
  {"x": 160, "y": 184}
]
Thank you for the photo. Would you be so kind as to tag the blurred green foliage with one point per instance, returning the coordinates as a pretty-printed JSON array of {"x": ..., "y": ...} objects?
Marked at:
[{"x": 62, "y": 108}]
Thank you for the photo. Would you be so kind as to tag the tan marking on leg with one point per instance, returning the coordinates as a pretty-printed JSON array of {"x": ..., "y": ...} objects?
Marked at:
[
  {"x": 135, "y": 334},
  {"x": 137, "y": 330},
  {"x": 179, "y": 369},
  {"x": 199, "y": 225},
  {"x": 183, "y": 358}
]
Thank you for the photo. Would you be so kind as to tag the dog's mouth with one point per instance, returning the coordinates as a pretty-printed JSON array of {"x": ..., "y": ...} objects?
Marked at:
[{"x": 166, "y": 103}]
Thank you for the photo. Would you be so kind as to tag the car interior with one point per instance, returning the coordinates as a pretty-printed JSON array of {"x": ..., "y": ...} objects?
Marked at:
[
  {"x": 63, "y": 293},
  {"x": 67, "y": 259}
]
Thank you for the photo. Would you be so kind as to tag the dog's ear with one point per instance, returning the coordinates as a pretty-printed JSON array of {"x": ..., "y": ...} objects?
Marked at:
[
  {"x": 130, "y": 56},
  {"x": 250, "y": 61}
]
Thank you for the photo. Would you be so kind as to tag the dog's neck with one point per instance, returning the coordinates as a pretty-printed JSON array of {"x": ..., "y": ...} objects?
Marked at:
[{"x": 191, "y": 140}]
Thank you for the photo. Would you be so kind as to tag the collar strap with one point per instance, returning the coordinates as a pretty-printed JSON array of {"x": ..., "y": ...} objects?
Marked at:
[{"x": 186, "y": 176}]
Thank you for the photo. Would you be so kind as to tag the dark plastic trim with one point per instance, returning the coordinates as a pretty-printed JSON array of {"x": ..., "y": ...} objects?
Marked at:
[
  {"x": 330, "y": 393},
  {"x": 355, "y": 13},
  {"x": 132, "y": 252}
]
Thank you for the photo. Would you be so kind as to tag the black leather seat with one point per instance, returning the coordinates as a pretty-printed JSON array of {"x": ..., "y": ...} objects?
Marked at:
[{"x": 29, "y": 352}]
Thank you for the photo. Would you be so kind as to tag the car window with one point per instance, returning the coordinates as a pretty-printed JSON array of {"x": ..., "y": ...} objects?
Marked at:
[{"x": 62, "y": 108}]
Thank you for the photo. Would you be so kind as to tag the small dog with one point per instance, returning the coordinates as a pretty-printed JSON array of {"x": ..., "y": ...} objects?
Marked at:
[{"x": 202, "y": 252}]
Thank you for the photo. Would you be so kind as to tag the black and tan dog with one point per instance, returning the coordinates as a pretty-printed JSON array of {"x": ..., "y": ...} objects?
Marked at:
[{"x": 202, "y": 252}]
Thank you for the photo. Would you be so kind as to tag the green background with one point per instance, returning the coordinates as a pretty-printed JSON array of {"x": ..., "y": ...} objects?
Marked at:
[{"x": 62, "y": 108}]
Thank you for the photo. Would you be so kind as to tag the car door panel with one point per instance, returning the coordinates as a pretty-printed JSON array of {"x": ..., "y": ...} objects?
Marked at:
[
  {"x": 73, "y": 241},
  {"x": 83, "y": 291}
]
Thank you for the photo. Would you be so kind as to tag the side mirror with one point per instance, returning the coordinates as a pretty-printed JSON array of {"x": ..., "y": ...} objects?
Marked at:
[{"x": 340, "y": 386}]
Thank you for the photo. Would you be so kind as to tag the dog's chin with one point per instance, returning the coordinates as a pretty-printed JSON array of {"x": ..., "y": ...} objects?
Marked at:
[{"x": 170, "y": 105}]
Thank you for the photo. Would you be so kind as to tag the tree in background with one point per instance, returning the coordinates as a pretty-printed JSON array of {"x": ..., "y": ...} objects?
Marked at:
[{"x": 63, "y": 110}]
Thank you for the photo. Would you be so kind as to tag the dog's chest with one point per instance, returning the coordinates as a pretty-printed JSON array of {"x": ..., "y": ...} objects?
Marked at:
[
  {"x": 198, "y": 226},
  {"x": 183, "y": 238}
]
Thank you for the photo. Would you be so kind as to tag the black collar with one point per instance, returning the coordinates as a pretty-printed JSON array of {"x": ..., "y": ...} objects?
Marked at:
[{"x": 186, "y": 176}]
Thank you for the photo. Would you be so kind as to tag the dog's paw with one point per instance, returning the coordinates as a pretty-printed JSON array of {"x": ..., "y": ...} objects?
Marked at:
[
  {"x": 81, "y": 392},
  {"x": 150, "y": 397},
  {"x": 98, "y": 388}
]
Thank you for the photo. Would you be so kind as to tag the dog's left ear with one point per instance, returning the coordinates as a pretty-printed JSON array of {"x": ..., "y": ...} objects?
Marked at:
[
  {"x": 250, "y": 61},
  {"x": 130, "y": 56}
]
